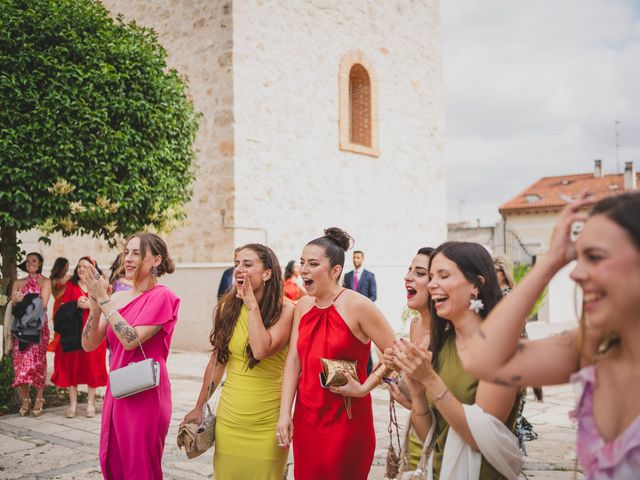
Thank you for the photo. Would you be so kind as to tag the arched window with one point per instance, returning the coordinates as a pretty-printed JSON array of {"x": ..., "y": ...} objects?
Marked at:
[{"x": 358, "y": 106}]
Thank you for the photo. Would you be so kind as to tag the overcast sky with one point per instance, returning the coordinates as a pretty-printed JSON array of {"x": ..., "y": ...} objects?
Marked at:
[{"x": 533, "y": 89}]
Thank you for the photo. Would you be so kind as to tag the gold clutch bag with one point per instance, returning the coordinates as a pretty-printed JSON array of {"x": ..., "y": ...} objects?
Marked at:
[
  {"x": 332, "y": 375},
  {"x": 332, "y": 372}
]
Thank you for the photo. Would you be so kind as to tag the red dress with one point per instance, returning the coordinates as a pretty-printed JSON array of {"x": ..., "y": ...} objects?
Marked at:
[
  {"x": 79, "y": 367},
  {"x": 326, "y": 444}
]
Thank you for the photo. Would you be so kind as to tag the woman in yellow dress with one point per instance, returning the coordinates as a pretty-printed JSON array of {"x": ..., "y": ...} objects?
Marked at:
[{"x": 251, "y": 329}]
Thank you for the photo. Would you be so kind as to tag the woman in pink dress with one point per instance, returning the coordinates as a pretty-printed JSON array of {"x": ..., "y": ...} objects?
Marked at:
[
  {"x": 601, "y": 356},
  {"x": 134, "y": 428},
  {"x": 30, "y": 360}
]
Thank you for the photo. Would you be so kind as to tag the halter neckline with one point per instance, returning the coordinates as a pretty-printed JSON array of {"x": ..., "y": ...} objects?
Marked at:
[{"x": 332, "y": 301}]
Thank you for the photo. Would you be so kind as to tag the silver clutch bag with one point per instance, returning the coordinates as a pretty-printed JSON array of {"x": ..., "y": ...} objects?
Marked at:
[{"x": 135, "y": 377}]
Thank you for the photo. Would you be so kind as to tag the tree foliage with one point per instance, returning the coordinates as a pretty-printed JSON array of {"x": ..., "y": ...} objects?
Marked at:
[{"x": 96, "y": 132}]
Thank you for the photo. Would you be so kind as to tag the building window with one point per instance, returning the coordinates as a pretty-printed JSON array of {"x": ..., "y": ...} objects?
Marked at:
[{"x": 358, "y": 106}]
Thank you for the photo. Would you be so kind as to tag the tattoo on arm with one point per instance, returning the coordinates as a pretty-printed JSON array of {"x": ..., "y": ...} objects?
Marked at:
[
  {"x": 482, "y": 334},
  {"x": 125, "y": 331},
  {"x": 87, "y": 328}
]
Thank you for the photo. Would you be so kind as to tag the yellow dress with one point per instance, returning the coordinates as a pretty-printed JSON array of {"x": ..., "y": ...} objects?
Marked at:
[{"x": 246, "y": 447}]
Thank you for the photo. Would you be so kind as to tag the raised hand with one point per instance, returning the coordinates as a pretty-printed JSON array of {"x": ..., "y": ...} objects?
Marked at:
[
  {"x": 562, "y": 247},
  {"x": 245, "y": 292},
  {"x": 97, "y": 285},
  {"x": 414, "y": 360}
]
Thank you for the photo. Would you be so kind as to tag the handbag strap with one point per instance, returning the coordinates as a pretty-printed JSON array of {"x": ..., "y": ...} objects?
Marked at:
[{"x": 211, "y": 388}]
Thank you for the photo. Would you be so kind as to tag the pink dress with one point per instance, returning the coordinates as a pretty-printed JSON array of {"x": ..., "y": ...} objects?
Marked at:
[
  {"x": 30, "y": 365},
  {"x": 618, "y": 459},
  {"x": 134, "y": 428}
]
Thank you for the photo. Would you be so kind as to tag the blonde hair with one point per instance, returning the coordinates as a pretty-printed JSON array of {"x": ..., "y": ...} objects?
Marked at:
[{"x": 502, "y": 263}]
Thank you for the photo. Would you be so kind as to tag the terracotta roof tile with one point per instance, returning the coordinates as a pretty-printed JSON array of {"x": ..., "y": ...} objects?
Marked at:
[{"x": 553, "y": 193}]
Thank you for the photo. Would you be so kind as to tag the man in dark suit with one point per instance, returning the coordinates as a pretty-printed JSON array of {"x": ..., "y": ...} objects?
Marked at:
[
  {"x": 364, "y": 282},
  {"x": 361, "y": 280},
  {"x": 226, "y": 282}
]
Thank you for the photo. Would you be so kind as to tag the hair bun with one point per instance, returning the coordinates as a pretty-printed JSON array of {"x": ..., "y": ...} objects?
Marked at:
[{"x": 339, "y": 237}]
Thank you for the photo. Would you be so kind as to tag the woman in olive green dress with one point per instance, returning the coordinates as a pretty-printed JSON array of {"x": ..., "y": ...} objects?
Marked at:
[{"x": 463, "y": 288}]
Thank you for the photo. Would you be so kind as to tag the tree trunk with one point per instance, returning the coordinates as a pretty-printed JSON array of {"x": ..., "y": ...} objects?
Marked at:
[{"x": 9, "y": 252}]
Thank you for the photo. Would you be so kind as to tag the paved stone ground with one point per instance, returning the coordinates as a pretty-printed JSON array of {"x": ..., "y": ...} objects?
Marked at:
[{"x": 54, "y": 447}]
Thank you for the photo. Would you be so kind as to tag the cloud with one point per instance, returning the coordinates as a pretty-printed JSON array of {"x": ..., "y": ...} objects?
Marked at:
[{"x": 533, "y": 89}]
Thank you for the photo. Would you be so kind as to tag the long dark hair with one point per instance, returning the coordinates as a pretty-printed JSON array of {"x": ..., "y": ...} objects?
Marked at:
[
  {"x": 288, "y": 270},
  {"x": 226, "y": 313},
  {"x": 58, "y": 268},
  {"x": 117, "y": 269},
  {"x": 474, "y": 261},
  {"x": 76, "y": 278}
]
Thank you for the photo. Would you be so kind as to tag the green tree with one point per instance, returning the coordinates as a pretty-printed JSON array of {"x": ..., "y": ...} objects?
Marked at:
[{"x": 96, "y": 133}]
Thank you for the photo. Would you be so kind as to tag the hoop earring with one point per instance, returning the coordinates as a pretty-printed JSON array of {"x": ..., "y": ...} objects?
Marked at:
[{"x": 476, "y": 304}]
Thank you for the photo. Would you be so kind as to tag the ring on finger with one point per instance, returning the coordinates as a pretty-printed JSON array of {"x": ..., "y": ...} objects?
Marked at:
[{"x": 96, "y": 276}]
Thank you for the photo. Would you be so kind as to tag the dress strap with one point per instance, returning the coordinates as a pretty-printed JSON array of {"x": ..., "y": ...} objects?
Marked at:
[{"x": 341, "y": 292}]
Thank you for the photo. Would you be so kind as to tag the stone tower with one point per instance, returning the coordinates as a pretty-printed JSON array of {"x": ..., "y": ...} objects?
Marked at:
[{"x": 316, "y": 113}]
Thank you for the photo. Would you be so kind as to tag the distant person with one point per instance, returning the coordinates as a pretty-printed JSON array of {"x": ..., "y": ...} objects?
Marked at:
[
  {"x": 361, "y": 280},
  {"x": 226, "y": 282},
  {"x": 73, "y": 366},
  {"x": 30, "y": 352},
  {"x": 117, "y": 278},
  {"x": 364, "y": 282},
  {"x": 59, "y": 277},
  {"x": 292, "y": 290}
]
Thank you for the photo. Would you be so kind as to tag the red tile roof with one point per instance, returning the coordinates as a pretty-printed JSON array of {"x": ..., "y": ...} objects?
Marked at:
[{"x": 553, "y": 193}]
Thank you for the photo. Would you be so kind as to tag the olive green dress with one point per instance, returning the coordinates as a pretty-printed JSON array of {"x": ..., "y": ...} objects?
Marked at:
[{"x": 463, "y": 386}]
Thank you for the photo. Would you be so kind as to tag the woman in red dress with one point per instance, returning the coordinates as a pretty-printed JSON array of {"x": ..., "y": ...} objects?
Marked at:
[
  {"x": 78, "y": 367},
  {"x": 292, "y": 290},
  {"x": 59, "y": 279},
  {"x": 333, "y": 323}
]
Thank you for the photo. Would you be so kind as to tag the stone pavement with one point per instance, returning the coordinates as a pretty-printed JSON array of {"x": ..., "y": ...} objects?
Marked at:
[{"x": 54, "y": 447}]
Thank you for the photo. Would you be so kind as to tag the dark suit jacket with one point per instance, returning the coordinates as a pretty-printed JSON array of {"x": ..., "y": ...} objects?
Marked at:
[
  {"x": 226, "y": 282},
  {"x": 366, "y": 284}
]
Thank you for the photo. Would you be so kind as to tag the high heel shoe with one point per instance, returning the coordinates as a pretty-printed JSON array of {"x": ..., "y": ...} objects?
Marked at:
[
  {"x": 91, "y": 410},
  {"x": 71, "y": 411},
  {"x": 37, "y": 407},
  {"x": 24, "y": 408}
]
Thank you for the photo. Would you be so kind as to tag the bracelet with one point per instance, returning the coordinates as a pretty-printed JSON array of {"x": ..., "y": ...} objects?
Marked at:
[
  {"x": 382, "y": 371},
  {"x": 441, "y": 396},
  {"x": 421, "y": 414},
  {"x": 106, "y": 317},
  {"x": 103, "y": 302}
]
